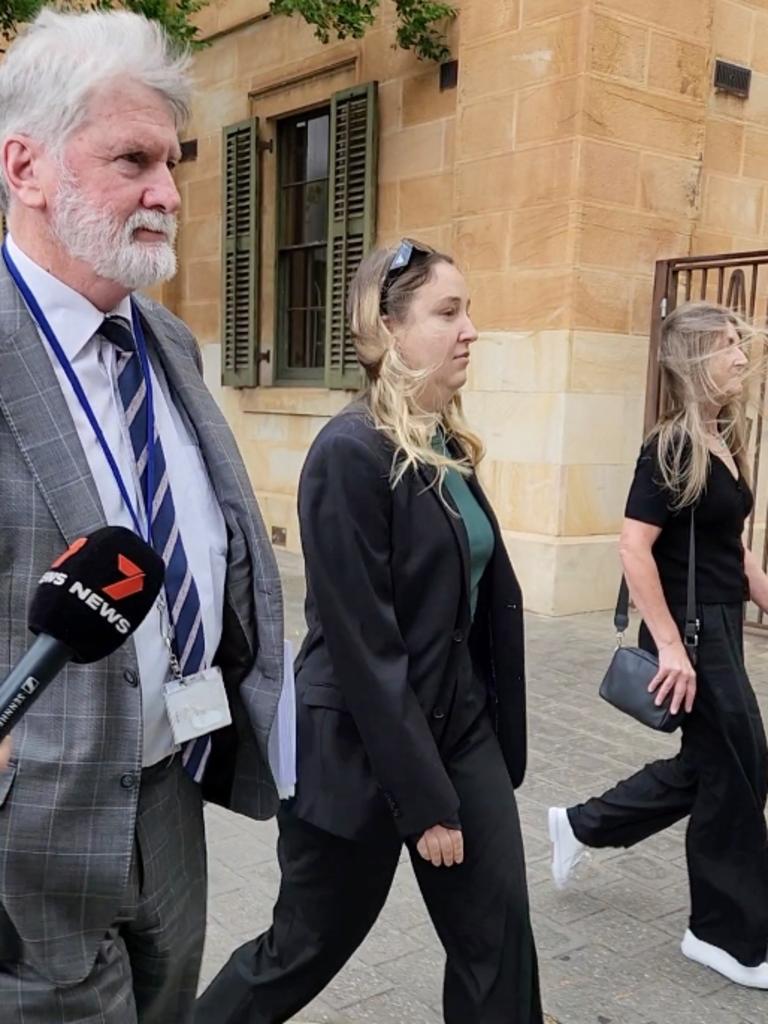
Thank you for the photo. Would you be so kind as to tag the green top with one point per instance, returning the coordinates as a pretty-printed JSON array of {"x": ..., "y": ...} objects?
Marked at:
[{"x": 476, "y": 523}]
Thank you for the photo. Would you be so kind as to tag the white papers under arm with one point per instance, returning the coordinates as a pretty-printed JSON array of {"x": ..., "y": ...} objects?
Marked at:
[{"x": 282, "y": 738}]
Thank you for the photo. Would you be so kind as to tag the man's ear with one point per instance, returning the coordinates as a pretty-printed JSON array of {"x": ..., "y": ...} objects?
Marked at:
[{"x": 21, "y": 162}]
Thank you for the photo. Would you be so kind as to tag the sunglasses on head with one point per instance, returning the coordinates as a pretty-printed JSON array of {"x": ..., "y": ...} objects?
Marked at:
[{"x": 402, "y": 259}]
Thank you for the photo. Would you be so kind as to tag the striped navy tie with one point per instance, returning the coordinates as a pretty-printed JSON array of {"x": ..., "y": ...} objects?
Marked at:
[{"x": 180, "y": 589}]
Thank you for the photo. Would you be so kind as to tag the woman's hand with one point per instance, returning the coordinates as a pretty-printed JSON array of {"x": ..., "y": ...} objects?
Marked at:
[
  {"x": 442, "y": 846},
  {"x": 5, "y": 752},
  {"x": 675, "y": 676}
]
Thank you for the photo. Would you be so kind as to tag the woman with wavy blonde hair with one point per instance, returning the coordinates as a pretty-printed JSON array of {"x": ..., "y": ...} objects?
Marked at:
[
  {"x": 694, "y": 465},
  {"x": 410, "y": 682}
]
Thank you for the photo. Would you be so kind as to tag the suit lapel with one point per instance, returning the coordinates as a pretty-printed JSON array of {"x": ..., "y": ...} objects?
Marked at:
[{"x": 32, "y": 402}]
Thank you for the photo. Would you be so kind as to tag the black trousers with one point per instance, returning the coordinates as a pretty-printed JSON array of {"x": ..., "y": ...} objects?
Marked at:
[
  {"x": 720, "y": 779},
  {"x": 333, "y": 889}
]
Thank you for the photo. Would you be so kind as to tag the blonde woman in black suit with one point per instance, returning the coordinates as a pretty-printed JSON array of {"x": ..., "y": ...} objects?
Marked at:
[{"x": 410, "y": 681}]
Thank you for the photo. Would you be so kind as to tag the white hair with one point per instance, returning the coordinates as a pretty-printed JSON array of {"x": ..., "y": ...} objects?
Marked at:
[{"x": 58, "y": 61}]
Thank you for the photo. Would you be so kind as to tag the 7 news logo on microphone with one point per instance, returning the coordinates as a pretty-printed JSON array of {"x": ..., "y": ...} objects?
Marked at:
[
  {"x": 97, "y": 592},
  {"x": 131, "y": 582},
  {"x": 73, "y": 613}
]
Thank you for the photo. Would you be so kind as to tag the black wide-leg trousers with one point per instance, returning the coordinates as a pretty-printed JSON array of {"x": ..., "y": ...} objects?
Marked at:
[
  {"x": 720, "y": 780},
  {"x": 333, "y": 889}
]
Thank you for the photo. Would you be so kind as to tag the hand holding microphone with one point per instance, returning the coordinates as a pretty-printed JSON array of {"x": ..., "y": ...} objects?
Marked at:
[{"x": 86, "y": 605}]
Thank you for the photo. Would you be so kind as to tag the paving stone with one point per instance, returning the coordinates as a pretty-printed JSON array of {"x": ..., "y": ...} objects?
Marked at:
[
  {"x": 354, "y": 984},
  {"x": 395, "y": 1007},
  {"x": 608, "y": 945},
  {"x": 749, "y": 1004},
  {"x": 244, "y": 913},
  {"x": 221, "y": 879},
  {"x": 675, "y": 923},
  {"x": 655, "y": 872},
  {"x": 665, "y": 960},
  {"x": 642, "y": 903},
  {"x": 563, "y": 907},
  {"x": 667, "y": 845},
  {"x": 387, "y": 942},
  {"x": 620, "y": 932},
  {"x": 420, "y": 973}
]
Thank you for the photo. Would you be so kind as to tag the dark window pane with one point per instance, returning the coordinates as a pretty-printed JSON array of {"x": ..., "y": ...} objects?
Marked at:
[
  {"x": 296, "y": 266},
  {"x": 305, "y": 278},
  {"x": 317, "y": 334},
  {"x": 304, "y": 275},
  {"x": 305, "y": 144},
  {"x": 297, "y": 339},
  {"x": 316, "y": 278},
  {"x": 294, "y": 147},
  {"x": 302, "y": 238},
  {"x": 317, "y": 147},
  {"x": 304, "y": 216}
]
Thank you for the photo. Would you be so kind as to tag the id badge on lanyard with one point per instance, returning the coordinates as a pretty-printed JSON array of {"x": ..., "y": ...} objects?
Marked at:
[{"x": 195, "y": 704}]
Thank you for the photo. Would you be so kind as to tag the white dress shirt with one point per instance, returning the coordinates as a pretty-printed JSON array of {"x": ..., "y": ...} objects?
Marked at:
[{"x": 74, "y": 321}]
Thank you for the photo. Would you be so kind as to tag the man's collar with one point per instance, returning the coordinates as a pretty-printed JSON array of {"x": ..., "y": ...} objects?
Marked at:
[{"x": 72, "y": 318}]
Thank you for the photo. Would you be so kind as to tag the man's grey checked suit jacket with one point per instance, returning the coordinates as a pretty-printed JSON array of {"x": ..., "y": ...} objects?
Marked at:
[{"x": 68, "y": 801}]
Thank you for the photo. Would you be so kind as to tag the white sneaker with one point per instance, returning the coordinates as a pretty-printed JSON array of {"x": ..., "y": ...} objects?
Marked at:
[
  {"x": 567, "y": 851},
  {"x": 718, "y": 960}
]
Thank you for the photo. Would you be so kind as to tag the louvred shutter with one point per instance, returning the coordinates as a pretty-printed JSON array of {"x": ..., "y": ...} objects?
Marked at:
[
  {"x": 351, "y": 220},
  {"x": 240, "y": 255}
]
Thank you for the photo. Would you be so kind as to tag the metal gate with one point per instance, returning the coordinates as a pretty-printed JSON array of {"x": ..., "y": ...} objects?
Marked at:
[{"x": 740, "y": 281}]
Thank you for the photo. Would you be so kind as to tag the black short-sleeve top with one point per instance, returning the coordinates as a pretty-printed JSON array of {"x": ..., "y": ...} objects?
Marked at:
[{"x": 719, "y": 524}]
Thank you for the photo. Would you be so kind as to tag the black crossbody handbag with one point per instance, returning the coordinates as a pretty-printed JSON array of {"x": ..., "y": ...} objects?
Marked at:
[{"x": 625, "y": 684}]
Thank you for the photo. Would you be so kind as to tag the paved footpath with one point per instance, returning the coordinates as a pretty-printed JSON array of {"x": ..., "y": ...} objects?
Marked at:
[{"x": 608, "y": 946}]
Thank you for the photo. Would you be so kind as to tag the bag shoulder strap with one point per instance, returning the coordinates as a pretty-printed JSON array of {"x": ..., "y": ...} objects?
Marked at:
[{"x": 691, "y": 633}]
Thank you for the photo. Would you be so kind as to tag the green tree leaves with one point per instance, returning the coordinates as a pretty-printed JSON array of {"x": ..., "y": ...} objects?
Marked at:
[
  {"x": 173, "y": 15},
  {"x": 420, "y": 23}
]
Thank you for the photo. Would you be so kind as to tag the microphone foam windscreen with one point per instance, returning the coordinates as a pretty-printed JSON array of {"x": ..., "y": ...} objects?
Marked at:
[{"x": 96, "y": 594}]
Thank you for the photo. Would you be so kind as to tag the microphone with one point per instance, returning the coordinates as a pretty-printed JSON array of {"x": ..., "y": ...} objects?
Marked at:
[{"x": 86, "y": 605}]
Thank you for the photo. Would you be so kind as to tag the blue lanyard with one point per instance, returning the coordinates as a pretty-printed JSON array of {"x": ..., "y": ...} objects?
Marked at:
[{"x": 141, "y": 348}]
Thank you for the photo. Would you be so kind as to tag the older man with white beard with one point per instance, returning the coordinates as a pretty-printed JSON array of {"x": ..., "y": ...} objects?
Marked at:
[{"x": 105, "y": 419}]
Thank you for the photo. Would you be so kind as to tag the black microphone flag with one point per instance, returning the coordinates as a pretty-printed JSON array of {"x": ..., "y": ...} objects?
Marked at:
[{"x": 86, "y": 605}]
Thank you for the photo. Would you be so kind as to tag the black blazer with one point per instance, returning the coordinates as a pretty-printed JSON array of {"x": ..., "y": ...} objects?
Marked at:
[{"x": 390, "y": 638}]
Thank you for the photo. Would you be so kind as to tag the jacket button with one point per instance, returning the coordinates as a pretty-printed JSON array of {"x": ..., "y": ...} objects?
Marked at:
[
  {"x": 131, "y": 677},
  {"x": 129, "y": 780},
  {"x": 438, "y": 713},
  {"x": 458, "y": 635},
  {"x": 513, "y": 607}
]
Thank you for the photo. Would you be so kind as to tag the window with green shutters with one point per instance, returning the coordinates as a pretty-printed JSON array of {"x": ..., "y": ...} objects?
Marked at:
[
  {"x": 240, "y": 255},
  {"x": 319, "y": 244}
]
